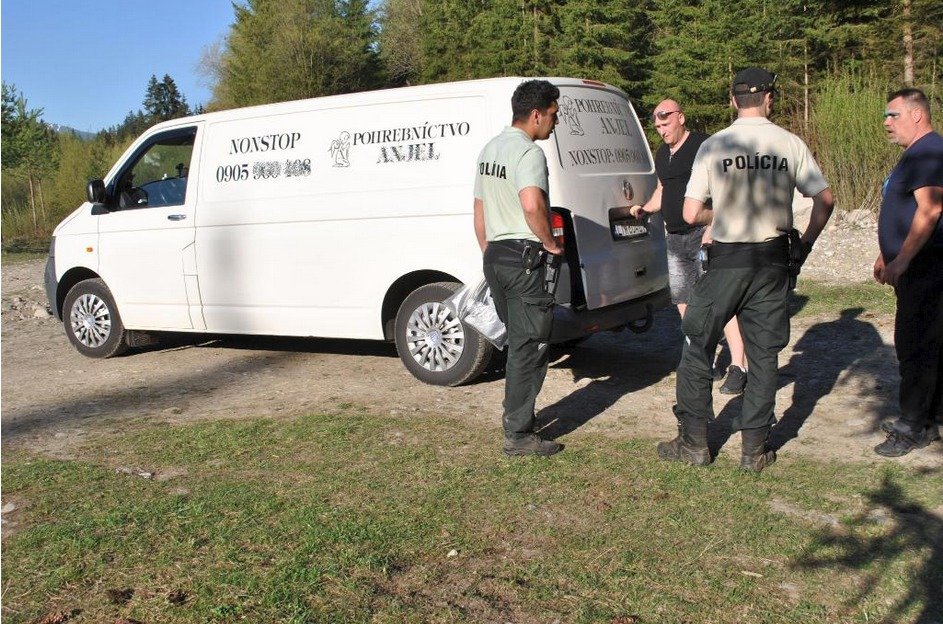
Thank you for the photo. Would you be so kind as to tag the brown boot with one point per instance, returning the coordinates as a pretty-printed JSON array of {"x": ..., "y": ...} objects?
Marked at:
[
  {"x": 690, "y": 446},
  {"x": 756, "y": 456}
]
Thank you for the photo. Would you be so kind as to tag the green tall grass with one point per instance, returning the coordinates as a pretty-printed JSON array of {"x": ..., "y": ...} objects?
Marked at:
[
  {"x": 19, "y": 232},
  {"x": 848, "y": 139}
]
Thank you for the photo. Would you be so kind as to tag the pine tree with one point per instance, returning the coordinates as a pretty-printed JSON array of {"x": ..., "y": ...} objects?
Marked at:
[
  {"x": 163, "y": 101},
  {"x": 608, "y": 40}
]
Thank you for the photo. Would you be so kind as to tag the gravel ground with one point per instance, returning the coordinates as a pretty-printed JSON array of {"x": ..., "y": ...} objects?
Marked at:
[{"x": 845, "y": 252}]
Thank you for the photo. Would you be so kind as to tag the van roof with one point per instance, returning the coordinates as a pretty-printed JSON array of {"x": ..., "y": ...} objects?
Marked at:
[{"x": 381, "y": 95}]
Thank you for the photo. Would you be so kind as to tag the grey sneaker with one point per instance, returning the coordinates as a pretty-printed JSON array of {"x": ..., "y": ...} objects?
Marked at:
[
  {"x": 531, "y": 444},
  {"x": 735, "y": 381}
]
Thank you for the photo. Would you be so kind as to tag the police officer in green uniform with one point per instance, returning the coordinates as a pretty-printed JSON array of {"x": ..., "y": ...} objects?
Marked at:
[
  {"x": 749, "y": 171},
  {"x": 513, "y": 229}
]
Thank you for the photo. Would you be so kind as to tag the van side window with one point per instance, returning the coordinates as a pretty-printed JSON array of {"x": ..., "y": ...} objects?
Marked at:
[{"x": 158, "y": 173}]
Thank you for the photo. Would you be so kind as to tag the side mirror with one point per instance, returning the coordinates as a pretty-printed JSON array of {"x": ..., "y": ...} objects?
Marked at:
[{"x": 96, "y": 191}]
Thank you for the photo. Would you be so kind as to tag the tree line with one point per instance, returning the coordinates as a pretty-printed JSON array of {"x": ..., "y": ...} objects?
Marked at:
[
  {"x": 836, "y": 59},
  {"x": 44, "y": 169}
]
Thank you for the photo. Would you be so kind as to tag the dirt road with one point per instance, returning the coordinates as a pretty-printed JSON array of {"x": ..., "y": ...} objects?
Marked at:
[{"x": 838, "y": 383}]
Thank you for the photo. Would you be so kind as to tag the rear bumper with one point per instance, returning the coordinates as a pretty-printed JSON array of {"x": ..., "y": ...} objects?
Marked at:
[{"x": 569, "y": 324}]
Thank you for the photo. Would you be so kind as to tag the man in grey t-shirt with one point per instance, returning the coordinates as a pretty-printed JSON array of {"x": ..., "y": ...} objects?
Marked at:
[
  {"x": 512, "y": 222},
  {"x": 749, "y": 171}
]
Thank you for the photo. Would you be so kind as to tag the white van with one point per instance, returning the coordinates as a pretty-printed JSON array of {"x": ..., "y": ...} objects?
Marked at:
[{"x": 351, "y": 217}]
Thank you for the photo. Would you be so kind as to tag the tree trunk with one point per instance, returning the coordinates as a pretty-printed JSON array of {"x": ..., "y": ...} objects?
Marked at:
[
  {"x": 908, "y": 46},
  {"x": 805, "y": 85},
  {"x": 536, "y": 31},
  {"x": 42, "y": 200},
  {"x": 32, "y": 199}
]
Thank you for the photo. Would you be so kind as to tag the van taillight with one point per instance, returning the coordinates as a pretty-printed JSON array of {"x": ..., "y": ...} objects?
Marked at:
[{"x": 556, "y": 224}]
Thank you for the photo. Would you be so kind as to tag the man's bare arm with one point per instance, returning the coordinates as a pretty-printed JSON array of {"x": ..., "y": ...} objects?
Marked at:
[
  {"x": 652, "y": 205},
  {"x": 480, "y": 224},
  {"x": 822, "y": 206},
  {"x": 929, "y": 208},
  {"x": 696, "y": 212},
  {"x": 536, "y": 212}
]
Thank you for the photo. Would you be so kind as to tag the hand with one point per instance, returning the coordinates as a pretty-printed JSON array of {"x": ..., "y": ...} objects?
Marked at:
[
  {"x": 554, "y": 249},
  {"x": 894, "y": 270},
  {"x": 707, "y": 238},
  {"x": 806, "y": 250},
  {"x": 879, "y": 270},
  {"x": 636, "y": 211}
]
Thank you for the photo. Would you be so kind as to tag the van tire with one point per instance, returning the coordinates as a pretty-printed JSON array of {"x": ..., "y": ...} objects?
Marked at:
[
  {"x": 92, "y": 322},
  {"x": 428, "y": 335}
]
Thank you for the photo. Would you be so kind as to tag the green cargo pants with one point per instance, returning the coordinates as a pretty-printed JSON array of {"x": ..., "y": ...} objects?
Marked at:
[
  {"x": 527, "y": 311},
  {"x": 758, "y": 297}
]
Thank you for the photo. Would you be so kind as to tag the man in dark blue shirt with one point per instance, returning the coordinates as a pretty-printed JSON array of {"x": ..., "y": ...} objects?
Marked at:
[{"x": 910, "y": 236}]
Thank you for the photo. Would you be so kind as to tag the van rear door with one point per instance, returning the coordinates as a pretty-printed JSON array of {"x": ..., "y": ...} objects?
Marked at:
[{"x": 600, "y": 164}]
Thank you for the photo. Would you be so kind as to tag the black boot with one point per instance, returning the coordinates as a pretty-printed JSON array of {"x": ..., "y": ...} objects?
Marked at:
[
  {"x": 690, "y": 446},
  {"x": 756, "y": 456}
]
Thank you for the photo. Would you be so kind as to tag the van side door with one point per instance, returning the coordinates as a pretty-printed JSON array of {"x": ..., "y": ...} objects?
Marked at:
[{"x": 146, "y": 237}]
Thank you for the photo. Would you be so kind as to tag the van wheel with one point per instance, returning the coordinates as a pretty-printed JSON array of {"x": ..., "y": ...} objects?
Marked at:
[
  {"x": 92, "y": 322},
  {"x": 433, "y": 343}
]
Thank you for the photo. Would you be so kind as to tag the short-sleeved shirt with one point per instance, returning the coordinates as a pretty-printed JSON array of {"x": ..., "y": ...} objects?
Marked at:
[
  {"x": 920, "y": 165},
  {"x": 750, "y": 170},
  {"x": 509, "y": 163},
  {"x": 674, "y": 171}
]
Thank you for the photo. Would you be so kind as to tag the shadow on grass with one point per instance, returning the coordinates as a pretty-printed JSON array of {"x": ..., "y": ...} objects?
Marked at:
[
  {"x": 910, "y": 529},
  {"x": 826, "y": 351}
]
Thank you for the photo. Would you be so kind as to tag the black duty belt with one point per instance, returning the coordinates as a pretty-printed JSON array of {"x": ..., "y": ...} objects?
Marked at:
[
  {"x": 773, "y": 252},
  {"x": 509, "y": 252}
]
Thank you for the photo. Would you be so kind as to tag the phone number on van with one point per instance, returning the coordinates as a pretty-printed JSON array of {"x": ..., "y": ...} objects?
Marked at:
[{"x": 263, "y": 170}]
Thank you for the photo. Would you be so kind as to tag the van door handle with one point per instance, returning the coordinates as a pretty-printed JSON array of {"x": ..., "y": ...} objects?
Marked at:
[{"x": 177, "y": 217}]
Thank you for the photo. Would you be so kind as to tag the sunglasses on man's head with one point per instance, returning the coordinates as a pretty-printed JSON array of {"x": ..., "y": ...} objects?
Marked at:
[{"x": 663, "y": 115}]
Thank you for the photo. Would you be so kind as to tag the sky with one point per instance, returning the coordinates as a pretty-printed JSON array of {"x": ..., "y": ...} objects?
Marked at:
[{"x": 86, "y": 63}]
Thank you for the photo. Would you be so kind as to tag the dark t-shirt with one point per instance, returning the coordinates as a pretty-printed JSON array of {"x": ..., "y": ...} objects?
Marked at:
[
  {"x": 920, "y": 165},
  {"x": 674, "y": 171}
]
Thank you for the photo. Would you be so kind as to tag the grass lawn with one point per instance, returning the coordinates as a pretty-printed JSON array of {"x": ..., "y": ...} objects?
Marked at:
[
  {"x": 351, "y": 517},
  {"x": 814, "y": 298}
]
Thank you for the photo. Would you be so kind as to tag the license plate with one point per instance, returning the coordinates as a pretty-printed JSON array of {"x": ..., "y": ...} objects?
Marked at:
[{"x": 628, "y": 230}]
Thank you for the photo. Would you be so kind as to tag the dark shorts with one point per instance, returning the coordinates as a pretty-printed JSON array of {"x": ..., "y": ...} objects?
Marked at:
[{"x": 683, "y": 266}]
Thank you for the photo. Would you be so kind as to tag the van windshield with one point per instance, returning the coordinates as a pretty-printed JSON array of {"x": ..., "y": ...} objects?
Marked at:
[{"x": 598, "y": 130}]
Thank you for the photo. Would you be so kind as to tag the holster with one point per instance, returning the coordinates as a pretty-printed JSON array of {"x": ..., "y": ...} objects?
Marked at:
[{"x": 797, "y": 255}]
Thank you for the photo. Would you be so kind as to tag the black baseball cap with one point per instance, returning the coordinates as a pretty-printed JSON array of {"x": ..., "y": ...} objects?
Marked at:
[{"x": 752, "y": 80}]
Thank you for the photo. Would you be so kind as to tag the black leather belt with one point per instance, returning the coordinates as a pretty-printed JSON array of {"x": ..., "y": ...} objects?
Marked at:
[
  {"x": 773, "y": 252},
  {"x": 509, "y": 252}
]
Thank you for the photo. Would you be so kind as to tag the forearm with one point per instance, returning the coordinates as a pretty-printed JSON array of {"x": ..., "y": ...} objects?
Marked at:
[
  {"x": 822, "y": 206},
  {"x": 537, "y": 215},
  {"x": 696, "y": 212},
  {"x": 539, "y": 223},
  {"x": 654, "y": 202},
  {"x": 479, "y": 216},
  {"x": 929, "y": 208}
]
